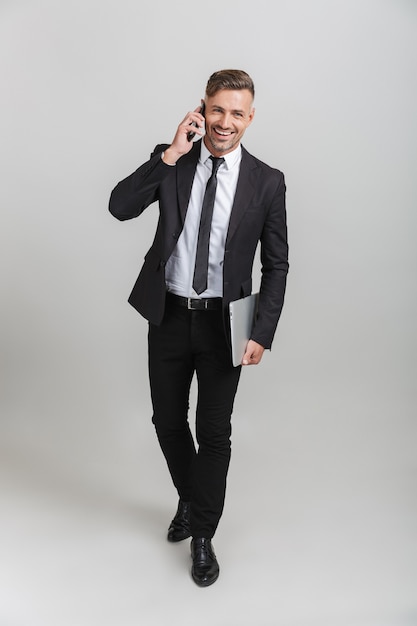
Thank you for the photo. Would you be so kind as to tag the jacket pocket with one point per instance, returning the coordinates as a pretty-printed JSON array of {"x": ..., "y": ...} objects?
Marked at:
[{"x": 246, "y": 288}]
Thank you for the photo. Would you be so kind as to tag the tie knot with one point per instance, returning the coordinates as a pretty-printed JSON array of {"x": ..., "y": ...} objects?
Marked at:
[{"x": 217, "y": 161}]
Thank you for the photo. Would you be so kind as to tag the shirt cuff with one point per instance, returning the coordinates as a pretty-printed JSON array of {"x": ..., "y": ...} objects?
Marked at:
[{"x": 162, "y": 158}]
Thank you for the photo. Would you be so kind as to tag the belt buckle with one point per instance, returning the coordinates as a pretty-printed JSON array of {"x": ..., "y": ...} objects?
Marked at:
[{"x": 202, "y": 304}]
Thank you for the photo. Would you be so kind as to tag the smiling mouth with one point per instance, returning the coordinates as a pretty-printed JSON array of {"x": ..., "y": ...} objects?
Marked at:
[{"x": 222, "y": 133}]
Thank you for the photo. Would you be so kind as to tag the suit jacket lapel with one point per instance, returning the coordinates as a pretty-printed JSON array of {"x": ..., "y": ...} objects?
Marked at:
[
  {"x": 186, "y": 167},
  {"x": 245, "y": 188},
  {"x": 244, "y": 192}
]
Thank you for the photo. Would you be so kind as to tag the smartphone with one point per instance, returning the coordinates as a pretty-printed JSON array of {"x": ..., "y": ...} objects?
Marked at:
[{"x": 191, "y": 135}]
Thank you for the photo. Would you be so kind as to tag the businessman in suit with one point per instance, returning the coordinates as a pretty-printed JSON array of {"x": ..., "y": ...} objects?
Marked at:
[{"x": 216, "y": 202}]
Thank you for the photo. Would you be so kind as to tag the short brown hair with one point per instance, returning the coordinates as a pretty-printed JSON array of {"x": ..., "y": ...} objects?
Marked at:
[{"x": 229, "y": 79}]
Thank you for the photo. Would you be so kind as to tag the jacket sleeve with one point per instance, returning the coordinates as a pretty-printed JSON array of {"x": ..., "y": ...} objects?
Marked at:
[
  {"x": 274, "y": 267},
  {"x": 135, "y": 193}
]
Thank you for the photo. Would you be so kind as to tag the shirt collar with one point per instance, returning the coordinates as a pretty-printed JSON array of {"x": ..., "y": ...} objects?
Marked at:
[{"x": 231, "y": 158}]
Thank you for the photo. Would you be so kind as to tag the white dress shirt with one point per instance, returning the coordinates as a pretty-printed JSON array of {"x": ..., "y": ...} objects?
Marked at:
[{"x": 179, "y": 269}]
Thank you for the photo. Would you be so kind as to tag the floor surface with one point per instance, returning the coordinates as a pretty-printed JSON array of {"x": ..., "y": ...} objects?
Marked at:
[{"x": 310, "y": 535}]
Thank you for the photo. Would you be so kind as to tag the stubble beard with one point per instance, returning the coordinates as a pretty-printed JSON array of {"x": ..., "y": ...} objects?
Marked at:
[{"x": 222, "y": 147}]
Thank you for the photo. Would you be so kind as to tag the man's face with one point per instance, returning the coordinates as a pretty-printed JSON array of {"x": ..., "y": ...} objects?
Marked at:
[{"x": 228, "y": 114}]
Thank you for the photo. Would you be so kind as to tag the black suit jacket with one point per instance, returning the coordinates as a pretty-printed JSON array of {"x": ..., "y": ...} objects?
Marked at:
[{"x": 258, "y": 214}]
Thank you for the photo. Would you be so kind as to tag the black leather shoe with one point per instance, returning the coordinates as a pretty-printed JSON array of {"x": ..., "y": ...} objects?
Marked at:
[
  {"x": 180, "y": 525},
  {"x": 205, "y": 569}
]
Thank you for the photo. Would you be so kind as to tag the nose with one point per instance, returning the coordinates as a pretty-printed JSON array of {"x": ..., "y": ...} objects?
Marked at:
[{"x": 224, "y": 120}]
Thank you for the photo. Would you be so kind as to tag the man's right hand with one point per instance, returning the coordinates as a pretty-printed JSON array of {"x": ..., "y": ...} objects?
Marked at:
[{"x": 180, "y": 144}]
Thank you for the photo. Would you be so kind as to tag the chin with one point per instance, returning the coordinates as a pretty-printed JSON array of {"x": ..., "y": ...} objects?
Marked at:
[{"x": 220, "y": 146}]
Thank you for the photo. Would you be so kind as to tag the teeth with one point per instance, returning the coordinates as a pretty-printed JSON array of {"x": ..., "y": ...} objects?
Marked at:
[{"x": 222, "y": 133}]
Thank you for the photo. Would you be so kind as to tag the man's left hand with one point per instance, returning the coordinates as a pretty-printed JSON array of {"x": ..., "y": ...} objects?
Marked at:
[{"x": 253, "y": 354}]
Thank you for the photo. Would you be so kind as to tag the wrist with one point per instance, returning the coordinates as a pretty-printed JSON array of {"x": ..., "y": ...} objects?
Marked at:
[{"x": 170, "y": 156}]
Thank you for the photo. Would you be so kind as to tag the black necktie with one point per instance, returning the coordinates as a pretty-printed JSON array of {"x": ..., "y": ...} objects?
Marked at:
[{"x": 201, "y": 259}]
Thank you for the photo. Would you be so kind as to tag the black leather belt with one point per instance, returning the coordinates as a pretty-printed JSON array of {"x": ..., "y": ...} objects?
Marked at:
[{"x": 196, "y": 304}]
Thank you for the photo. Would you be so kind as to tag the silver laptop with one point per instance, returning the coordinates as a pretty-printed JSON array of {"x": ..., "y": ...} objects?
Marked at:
[{"x": 242, "y": 316}]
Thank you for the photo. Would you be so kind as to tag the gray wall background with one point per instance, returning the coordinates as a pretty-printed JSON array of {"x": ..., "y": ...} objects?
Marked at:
[{"x": 88, "y": 89}]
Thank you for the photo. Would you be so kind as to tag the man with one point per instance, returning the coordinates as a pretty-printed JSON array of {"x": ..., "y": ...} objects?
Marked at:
[{"x": 190, "y": 275}]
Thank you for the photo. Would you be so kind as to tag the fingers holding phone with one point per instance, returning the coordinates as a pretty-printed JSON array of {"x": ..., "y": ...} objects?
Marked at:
[
  {"x": 191, "y": 126},
  {"x": 192, "y": 134}
]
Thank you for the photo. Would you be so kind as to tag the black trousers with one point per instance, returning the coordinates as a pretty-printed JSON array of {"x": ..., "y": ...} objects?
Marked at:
[{"x": 187, "y": 343}]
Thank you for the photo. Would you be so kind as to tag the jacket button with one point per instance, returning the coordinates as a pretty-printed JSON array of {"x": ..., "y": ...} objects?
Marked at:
[{"x": 162, "y": 263}]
